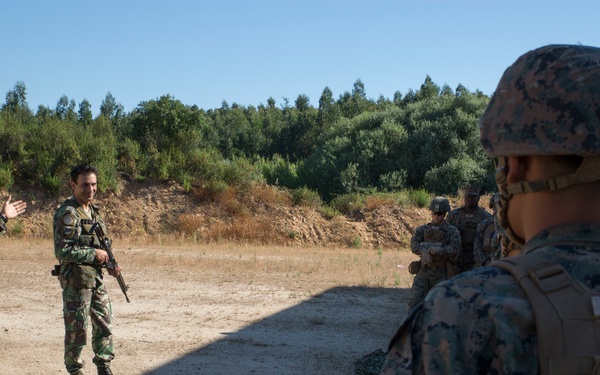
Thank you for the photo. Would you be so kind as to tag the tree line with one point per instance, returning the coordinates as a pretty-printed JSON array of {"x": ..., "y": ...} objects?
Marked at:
[{"x": 423, "y": 139}]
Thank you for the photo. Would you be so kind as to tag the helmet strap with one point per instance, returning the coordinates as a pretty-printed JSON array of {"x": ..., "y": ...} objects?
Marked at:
[{"x": 588, "y": 171}]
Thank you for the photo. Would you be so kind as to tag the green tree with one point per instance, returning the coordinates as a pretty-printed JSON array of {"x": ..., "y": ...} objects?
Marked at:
[
  {"x": 111, "y": 109},
  {"x": 328, "y": 112},
  {"x": 84, "y": 115}
]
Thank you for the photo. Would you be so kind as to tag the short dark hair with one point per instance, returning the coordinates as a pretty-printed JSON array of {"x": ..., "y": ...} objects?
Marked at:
[{"x": 82, "y": 169}]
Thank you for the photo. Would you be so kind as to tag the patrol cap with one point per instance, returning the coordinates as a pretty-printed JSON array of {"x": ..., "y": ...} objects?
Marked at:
[{"x": 546, "y": 103}]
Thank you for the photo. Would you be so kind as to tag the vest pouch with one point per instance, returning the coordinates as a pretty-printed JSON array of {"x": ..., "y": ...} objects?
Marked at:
[
  {"x": 83, "y": 276},
  {"x": 414, "y": 267}
]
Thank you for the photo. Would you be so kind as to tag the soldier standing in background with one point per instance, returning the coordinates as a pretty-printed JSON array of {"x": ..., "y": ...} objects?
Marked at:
[
  {"x": 10, "y": 211},
  {"x": 81, "y": 275},
  {"x": 466, "y": 219},
  {"x": 486, "y": 247},
  {"x": 436, "y": 243}
]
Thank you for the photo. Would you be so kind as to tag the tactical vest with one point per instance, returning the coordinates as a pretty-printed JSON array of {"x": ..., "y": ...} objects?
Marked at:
[
  {"x": 467, "y": 225},
  {"x": 436, "y": 235},
  {"x": 567, "y": 315},
  {"x": 77, "y": 227}
]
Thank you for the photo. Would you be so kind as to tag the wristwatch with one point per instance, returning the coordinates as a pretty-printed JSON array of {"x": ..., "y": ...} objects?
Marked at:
[{"x": 3, "y": 218}]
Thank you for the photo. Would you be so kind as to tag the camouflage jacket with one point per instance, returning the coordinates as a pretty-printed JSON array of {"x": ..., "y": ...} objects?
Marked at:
[
  {"x": 445, "y": 234},
  {"x": 487, "y": 243},
  {"x": 73, "y": 243},
  {"x": 481, "y": 321},
  {"x": 467, "y": 222}
]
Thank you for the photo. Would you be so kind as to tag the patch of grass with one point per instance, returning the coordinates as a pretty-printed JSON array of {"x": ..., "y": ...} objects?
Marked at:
[
  {"x": 356, "y": 243},
  {"x": 306, "y": 197},
  {"x": 328, "y": 212},
  {"x": 378, "y": 200},
  {"x": 270, "y": 195},
  {"x": 420, "y": 197},
  {"x": 348, "y": 202}
]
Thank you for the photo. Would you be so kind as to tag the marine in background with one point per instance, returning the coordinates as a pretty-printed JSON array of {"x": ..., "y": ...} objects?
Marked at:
[
  {"x": 486, "y": 247},
  {"x": 435, "y": 243},
  {"x": 465, "y": 219}
]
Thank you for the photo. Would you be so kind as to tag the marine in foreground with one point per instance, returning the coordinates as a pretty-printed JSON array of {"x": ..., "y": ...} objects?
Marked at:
[{"x": 542, "y": 126}]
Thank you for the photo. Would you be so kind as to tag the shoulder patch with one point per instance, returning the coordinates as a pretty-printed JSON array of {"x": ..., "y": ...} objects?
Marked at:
[{"x": 68, "y": 220}]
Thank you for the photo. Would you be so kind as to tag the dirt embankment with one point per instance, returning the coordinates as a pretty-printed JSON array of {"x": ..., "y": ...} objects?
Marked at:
[{"x": 261, "y": 216}]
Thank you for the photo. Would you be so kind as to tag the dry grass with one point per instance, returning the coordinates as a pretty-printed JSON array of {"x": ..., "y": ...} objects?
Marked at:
[
  {"x": 317, "y": 266},
  {"x": 324, "y": 267},
  {"x": 375, "y": 201}
]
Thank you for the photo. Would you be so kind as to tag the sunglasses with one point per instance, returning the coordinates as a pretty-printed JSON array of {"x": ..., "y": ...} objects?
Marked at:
[{"x": 439, "y": 213}]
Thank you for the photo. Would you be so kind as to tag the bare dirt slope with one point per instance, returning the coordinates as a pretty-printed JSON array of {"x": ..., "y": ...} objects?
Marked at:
[{"x": 263, "y": 216}]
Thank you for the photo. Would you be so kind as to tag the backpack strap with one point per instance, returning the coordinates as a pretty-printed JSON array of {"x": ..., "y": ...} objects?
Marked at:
[{"x": 567, "y": 315}]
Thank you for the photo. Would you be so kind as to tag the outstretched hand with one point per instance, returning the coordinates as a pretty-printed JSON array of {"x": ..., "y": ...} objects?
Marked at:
[{"x": 12, "y": 210}]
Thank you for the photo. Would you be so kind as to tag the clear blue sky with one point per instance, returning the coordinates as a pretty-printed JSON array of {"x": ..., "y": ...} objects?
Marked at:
[{"x": 204, "y": 52}]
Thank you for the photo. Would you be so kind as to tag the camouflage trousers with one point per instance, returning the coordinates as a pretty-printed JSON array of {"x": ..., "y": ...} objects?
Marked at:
[
  {"x": 78, "y": 305},
  {"x": 424, "y": 280}
]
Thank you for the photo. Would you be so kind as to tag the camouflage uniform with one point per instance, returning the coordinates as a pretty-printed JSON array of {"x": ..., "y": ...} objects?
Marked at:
[
  {"x": 429, "y": 275},
  {"x": 486, "y": 247},
  {"x": 2, "y": 226},
  {"x": 84, "y": 292},
  {"x": 466, "y": 222},
  {"x": 481, "y": 321}
]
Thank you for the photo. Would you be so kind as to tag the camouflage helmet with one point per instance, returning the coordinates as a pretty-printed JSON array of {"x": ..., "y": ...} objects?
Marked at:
[
  {"x": 547, "y": 103},
  {"x": 439, "y": 204}
]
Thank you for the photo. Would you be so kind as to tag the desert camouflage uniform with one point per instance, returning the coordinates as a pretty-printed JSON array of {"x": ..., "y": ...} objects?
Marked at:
[
  {"x": 481, "y": 322},
  {"x": 486, "y": 247},
  {"x": 429, "y": 275},
  {"x": 2, "y": 227},
  {"x": 467, "y": 223},
  {"x": 73, "y": 246}
]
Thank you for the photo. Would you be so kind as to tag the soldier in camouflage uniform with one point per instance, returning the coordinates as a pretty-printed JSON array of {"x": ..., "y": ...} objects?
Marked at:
[
  {"x": 10, "y": 211},
  {"x": 81, "y": 274},
  {"x": 436, "y": 243},
  {"x": 486, "y": 247},
  {"x": 542, "y": 126},
  {"x": 466, "y": 219}
]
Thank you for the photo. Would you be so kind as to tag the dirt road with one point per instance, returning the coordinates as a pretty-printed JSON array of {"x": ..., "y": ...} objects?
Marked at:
[{"x": 212, "y": 309}]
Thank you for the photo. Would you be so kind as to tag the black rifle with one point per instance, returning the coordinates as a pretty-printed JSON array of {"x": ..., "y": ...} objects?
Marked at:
[{"x": 112, "y": 263}]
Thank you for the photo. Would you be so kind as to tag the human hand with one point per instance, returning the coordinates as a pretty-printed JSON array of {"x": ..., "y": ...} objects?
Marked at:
[
  {"x": 435, "y": 250},
  {"x": 101, "y": 256},
  {"x": 12, "y": 210},
  {"x": 115, "y": 271},
  {"x": 426, "y": 257}
]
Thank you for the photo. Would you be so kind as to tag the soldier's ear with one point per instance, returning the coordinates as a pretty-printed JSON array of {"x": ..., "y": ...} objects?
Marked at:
[{"x": 516, "y": 168}]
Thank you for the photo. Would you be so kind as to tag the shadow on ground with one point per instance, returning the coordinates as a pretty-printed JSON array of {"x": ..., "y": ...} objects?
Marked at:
[{"x": 323, "y": 335}]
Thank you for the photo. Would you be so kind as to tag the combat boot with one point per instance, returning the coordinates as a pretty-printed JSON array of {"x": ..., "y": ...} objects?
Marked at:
[{"x": 104, "y": 371}]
